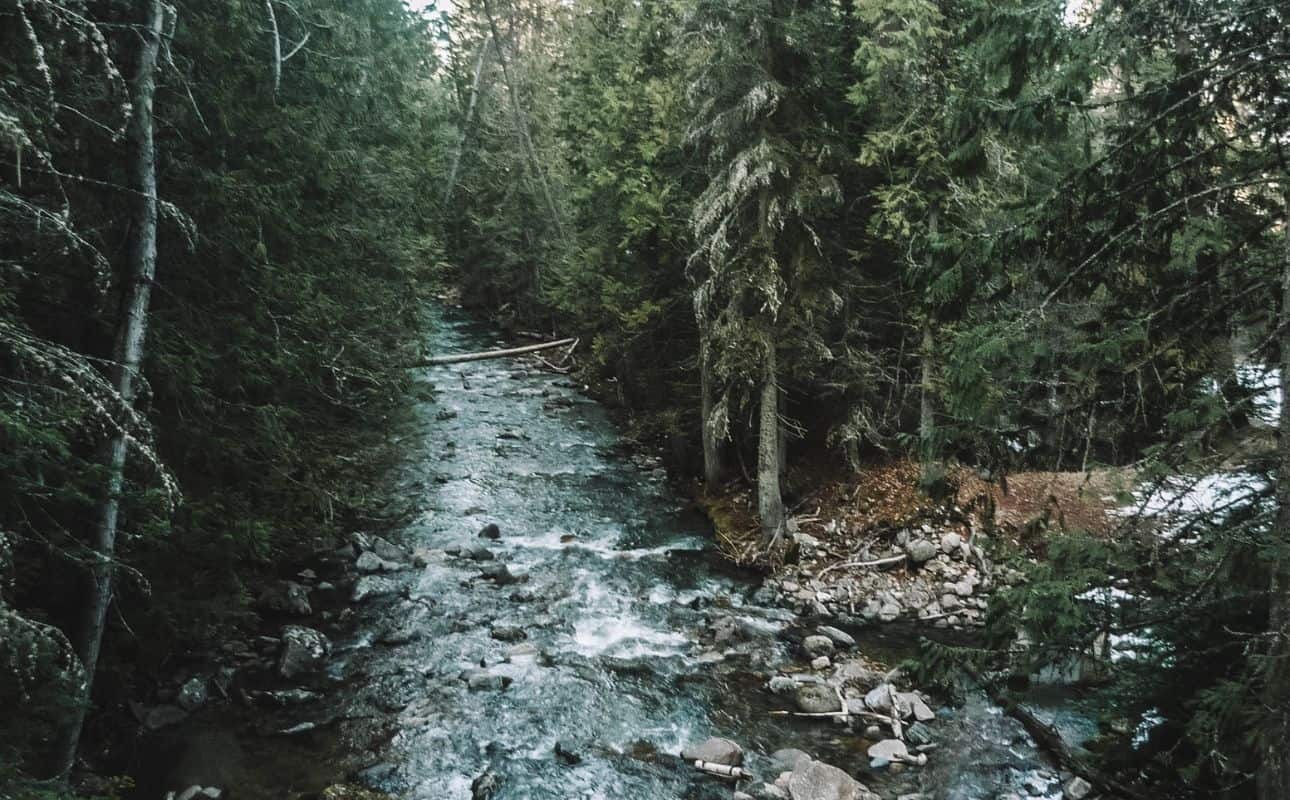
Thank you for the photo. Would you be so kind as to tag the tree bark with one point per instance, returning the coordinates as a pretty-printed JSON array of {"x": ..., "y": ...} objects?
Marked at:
[
  {"x": 926, "y": 409},
  {"x": 455, "y": 162},
  {"x": 712, "y": 467},
  {"x": 127, "y": 357},
  {"x": 1274, "y": 766},
  {"x": 770, "y": 504}
]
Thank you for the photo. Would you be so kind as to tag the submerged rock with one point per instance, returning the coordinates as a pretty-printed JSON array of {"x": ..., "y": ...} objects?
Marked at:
[
  {"x": 371, "y": 562},
  {"x": 490, "y": 531},
  {"x": 498, "y": 574}
]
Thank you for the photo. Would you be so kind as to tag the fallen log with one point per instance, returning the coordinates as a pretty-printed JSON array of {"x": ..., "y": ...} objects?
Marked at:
[
  {"x": 721, "y": 770},
  {"x": 1049, "y": 739},
  {"x": 486, "y": 354}
]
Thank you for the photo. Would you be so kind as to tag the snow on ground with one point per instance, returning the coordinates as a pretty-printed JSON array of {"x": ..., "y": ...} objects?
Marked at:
[{"x": 1265, "y": 384}]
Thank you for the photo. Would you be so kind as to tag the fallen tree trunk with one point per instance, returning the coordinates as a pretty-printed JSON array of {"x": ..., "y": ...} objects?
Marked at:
[
  {"x": 486, "y": 354},
  {"x": 1049, "y": 739}
]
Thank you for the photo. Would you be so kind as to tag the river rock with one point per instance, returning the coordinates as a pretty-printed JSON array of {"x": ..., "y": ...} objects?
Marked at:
[
  {"x": 508, "y": 633},
  {"x": 485, "y": 786},
  {"x": 565, "y": 753},
  {"x": 481, "y": 680},
  {"x": 522, "y": 652},
  {"x": 822, "y": 662},
  {"x": 477, "y": 553},
  {"x": 920, "y": 550},
  {"x": 192, "y": 695},
  {"x": 951, "y": 602},
  {"x": 303, "y": 650},
  {"x": 889, "y": 750},
  {"x": 1077, "y": 789},
  {"x": 950, "y": 543},
  {"x": 921, "y": 711},
  {"x": 370, "y": 586},
  {"x": 285, "y": 597},
  {"x": 389, "y": 550},
  {"x": 815, "y": 780},
  {"x": 963, "y": 588},
  {"x": 490, "y": 531},
  {"x": 816, "y": 646},
  {"x": 817, "y": 698},
  {"x": 781, "y": 684},
  {"x": 370, "y": 562},
  {"x": 880, "y": 699},
  {"x": 787, "y": 759},
  {"x": 284, "y": 697},
  {"x": 715, "y": 750},
  {"x": 497, "y": 573},
  {"x": 839, "y": 637},
  {"x": 889, "y": 612}
]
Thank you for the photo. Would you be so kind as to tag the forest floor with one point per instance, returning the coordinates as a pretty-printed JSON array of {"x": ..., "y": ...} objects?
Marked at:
[{"x": 871, "y": 544}]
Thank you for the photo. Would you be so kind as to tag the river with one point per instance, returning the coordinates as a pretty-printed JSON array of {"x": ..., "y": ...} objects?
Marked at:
[{"x": 618, "y": 590}]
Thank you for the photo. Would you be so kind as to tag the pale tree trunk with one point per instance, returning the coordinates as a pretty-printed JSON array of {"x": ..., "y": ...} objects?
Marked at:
[
  {"x": 712, "y": 468},
  {"x": 926, "y": 408},
  {"x": 770, "y": 505},
  {"x": 455, "y": 162},
  {"x": 522, "y": 125},
  {"x": 127, "y": 357},
  {"x": 1274, "y": 766}
]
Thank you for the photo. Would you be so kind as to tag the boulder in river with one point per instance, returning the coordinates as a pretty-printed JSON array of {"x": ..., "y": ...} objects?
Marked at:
[
  {"x": 816, "y": 645},
  {"x": 788, "y": 759},
  {"x": 481, "y": 680},
  {"x": 192, "y": 695},
  {"x": 303, "y": 650},
  {"x": 497, "y": 573},
  {"x": 566, "y": 753},
  {"x": 370, "y": 586},
  {"x": 389, "y": 550},
  {"x": 815, "y": 780},
  {"x": 508, "y": 633},
  {"x": 1077, "y": 789},
  {"x": 490, "y": 531},
  {"x": 477, "y": 553},
  {"x": 716, "y": 751},
  {"x": 370, "y": 562},
  {"x": 817, "y": 698},
  {"x": 880, "y": 699},
  {"x": 782, "y": 684}
]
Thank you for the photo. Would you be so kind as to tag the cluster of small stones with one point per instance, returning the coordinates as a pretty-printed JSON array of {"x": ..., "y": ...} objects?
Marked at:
[{"x": 943, "y": 581}]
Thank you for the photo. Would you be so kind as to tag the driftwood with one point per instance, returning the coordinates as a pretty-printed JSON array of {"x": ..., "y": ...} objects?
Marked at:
[
  {"x": 721, "y": 770},
  {"x": 1049, "y": 739},
  {"x": 875, "y": 563},
  {"x": 486, "y": 354}
]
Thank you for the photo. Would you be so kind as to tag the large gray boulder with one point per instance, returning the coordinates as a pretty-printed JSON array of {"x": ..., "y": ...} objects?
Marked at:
[
  {"x": 303, "y": 650},
  {"x": 716, "y": 751},
  {"x": 817, "y": 698},
  {"x": 815, "y": 780},
  {"x": 371, "y": 562}
]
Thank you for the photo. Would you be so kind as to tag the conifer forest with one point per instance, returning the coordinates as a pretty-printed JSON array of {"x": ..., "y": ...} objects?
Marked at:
[{"x": 644, "y": 399}]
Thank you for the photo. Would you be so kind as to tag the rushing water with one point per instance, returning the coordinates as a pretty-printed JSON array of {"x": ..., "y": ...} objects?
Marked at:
[{"x": 618, "y": 591}]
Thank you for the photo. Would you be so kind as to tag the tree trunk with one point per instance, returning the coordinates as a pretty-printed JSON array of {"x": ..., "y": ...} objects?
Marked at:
[
  {"x": 712, "y": 467},
  {"x": 521, "y": 124},
  {"x": 127, "y": 356},
  {"x": 926, "y": 409},
  {"x": 770, "y": 505},
  {"x": 455, "y": 163},
  {"x": 1274, "y": 766}
]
